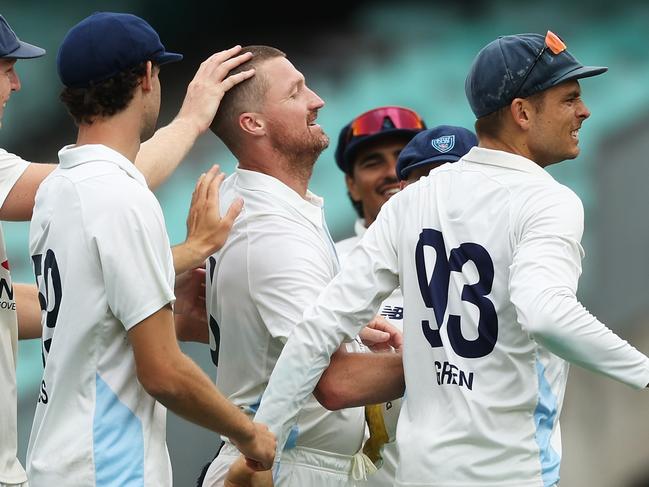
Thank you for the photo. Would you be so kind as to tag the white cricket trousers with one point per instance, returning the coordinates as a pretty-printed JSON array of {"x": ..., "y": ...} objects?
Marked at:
[{"x": 299, "y": 467}]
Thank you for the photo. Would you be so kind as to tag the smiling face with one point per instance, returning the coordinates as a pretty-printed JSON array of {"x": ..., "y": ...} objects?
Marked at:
[
  {"x": 9, "y": 82},
  {"x": 290, "y": 110},
  {"x": 373, "y": 180},
  {"x": 553, "y": 134}
]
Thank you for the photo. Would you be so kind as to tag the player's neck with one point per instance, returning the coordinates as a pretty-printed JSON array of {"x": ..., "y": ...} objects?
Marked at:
[
  {"x": 511, "y": 144},
  {"x": 119, "y": 133},
  {"x": 295, "y": 176}
]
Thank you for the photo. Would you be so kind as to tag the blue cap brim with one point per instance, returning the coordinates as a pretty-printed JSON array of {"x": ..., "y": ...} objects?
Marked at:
[
  {"x": 583, "y": 72},
  {"x": 25, "y": 51},
  {"x": 168, "y": 57},
  {"x": 439, "y": 160}
]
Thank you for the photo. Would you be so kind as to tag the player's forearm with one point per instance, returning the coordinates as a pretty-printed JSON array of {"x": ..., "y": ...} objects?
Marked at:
[
  {"x": 161, "y": 154},
  {"x": 189, "y": 255},
  {"x": 357, "y": 379},
  {"x": 188, "y": 391},
  {"x": 562, "y": 325},
  {"x": 28, "y": 310}
]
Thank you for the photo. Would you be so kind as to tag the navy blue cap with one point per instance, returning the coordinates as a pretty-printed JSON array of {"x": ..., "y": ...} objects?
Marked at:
[
  {"x": 105, "y": 44},
  {"x": 13, "y": 48},
  {"x": 444, "y": 143},
  {"x": 348, "y": 147},
  {"x": 502, "y": 65}
]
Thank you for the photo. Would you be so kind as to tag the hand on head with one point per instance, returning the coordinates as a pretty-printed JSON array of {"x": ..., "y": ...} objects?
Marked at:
[{"x": 206, "y": 90}]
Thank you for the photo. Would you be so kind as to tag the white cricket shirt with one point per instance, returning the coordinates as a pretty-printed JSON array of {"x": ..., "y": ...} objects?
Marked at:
[
  {"x": 11, "y": 472},
  {"x": 103, "y": 264},
  {"x": 392, "y": 310},
  {"x": 487, "y": 252},
  {"x": 277, "y": 259}
]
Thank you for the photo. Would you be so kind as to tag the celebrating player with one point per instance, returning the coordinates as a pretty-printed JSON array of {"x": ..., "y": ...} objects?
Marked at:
[
  {"x": 105, "y": 273},
  {"x": 279, "y": 257},
  {"x": 488, "y": 254}
]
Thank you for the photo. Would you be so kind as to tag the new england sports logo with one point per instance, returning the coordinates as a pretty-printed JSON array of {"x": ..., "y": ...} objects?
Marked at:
[{"x": 444, "y": 143}]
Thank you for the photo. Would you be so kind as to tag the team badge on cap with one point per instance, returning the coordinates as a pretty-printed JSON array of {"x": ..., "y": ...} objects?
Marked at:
[{"x": 444, "y": 143}]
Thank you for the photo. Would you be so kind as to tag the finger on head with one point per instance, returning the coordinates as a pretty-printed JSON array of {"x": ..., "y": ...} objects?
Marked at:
[
  {"x": 235, "y": 79},
  {"x": 236, "y": 61}
]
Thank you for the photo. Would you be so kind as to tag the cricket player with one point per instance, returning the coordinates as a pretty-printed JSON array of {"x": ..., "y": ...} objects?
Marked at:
[
  {"x": 487, "y": 252},
  {"x": 105, "y": 274},
  {"x": 277, "y": 260}
]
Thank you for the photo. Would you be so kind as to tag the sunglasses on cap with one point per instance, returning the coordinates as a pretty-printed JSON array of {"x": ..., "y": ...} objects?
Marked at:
[
  {"x": 379, "y": 119},
  {"x": 552, "y": 42}
]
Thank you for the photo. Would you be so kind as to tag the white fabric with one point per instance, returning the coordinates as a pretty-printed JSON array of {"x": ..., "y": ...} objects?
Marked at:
[
  {"x": 490, "y": 420},
  {"x": 96, "y": 221},
  {"x": 11, "y": 168},
  {"x": 300, "y": 467},
  {"x": 391, "y": 309},
  {"x": 276, "y": 261}
]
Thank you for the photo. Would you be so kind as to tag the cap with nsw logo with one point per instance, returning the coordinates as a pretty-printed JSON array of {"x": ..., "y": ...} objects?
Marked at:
[{"x": 444, "y": 143}]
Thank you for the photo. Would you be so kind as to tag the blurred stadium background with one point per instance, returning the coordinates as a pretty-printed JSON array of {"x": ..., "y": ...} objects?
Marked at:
[{"x": 414, "y": 54}]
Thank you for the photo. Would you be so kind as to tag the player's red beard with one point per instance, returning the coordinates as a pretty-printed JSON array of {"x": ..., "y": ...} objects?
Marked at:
[{"x": 301, "y": 147}]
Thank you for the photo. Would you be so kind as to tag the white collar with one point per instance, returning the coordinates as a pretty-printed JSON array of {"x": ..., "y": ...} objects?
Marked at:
[
  {"x": 480, "y": 155},
  {"x": 311, "y": 206},
  {"x": 73, "y": 155},
  {"x": 359, "y": 227}
]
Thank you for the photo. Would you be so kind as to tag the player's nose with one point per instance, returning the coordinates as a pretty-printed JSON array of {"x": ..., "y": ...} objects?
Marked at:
[{"x": 14, "y": 81}]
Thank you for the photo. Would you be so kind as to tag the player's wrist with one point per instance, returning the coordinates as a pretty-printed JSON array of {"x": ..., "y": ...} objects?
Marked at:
[
  {"x": 245, "y": 434},
  {"x": 188, "y": 124}
]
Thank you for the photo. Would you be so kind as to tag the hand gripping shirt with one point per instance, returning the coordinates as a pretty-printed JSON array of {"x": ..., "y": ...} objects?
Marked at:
[
  {"x": 277, "y": 259},
  {"x": 102, "y": 263},
  {"x": 11, "y": 472},
  {"x": 487, "y": 252}
]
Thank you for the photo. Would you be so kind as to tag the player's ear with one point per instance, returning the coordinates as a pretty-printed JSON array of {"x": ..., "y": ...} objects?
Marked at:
[
  {"x": 521, "y": 112},
  {"x": 147, "y": 77},
  {"x": 252, "y": 123}
]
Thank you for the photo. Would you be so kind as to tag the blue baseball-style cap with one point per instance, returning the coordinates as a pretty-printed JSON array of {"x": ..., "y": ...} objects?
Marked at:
[
  {"x": 13, "y": 48},
  {"x": 518, "y": 66},
  {"x": 107, "y": 43},
  {"x": 444, "y": 143},
  {"x": 373, "y": 126}
]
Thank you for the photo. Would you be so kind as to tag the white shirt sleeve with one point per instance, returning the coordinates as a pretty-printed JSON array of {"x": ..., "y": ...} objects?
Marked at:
[
  {"x": 135, "y": 257},
  {"x": 11, "y": 168},
  {"x": 288, "y": 267},
  {"x": 339, "y": 313},
  {"x": 543, "y": 284}
]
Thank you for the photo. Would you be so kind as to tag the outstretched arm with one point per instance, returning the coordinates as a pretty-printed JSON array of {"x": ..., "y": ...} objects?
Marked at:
[
  {"x": 160, "y": 155},
  {"x": 177, "y": 382}
]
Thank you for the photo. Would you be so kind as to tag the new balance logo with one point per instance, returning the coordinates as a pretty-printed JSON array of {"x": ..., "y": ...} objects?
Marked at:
[{"x": 392, "y": 312}]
